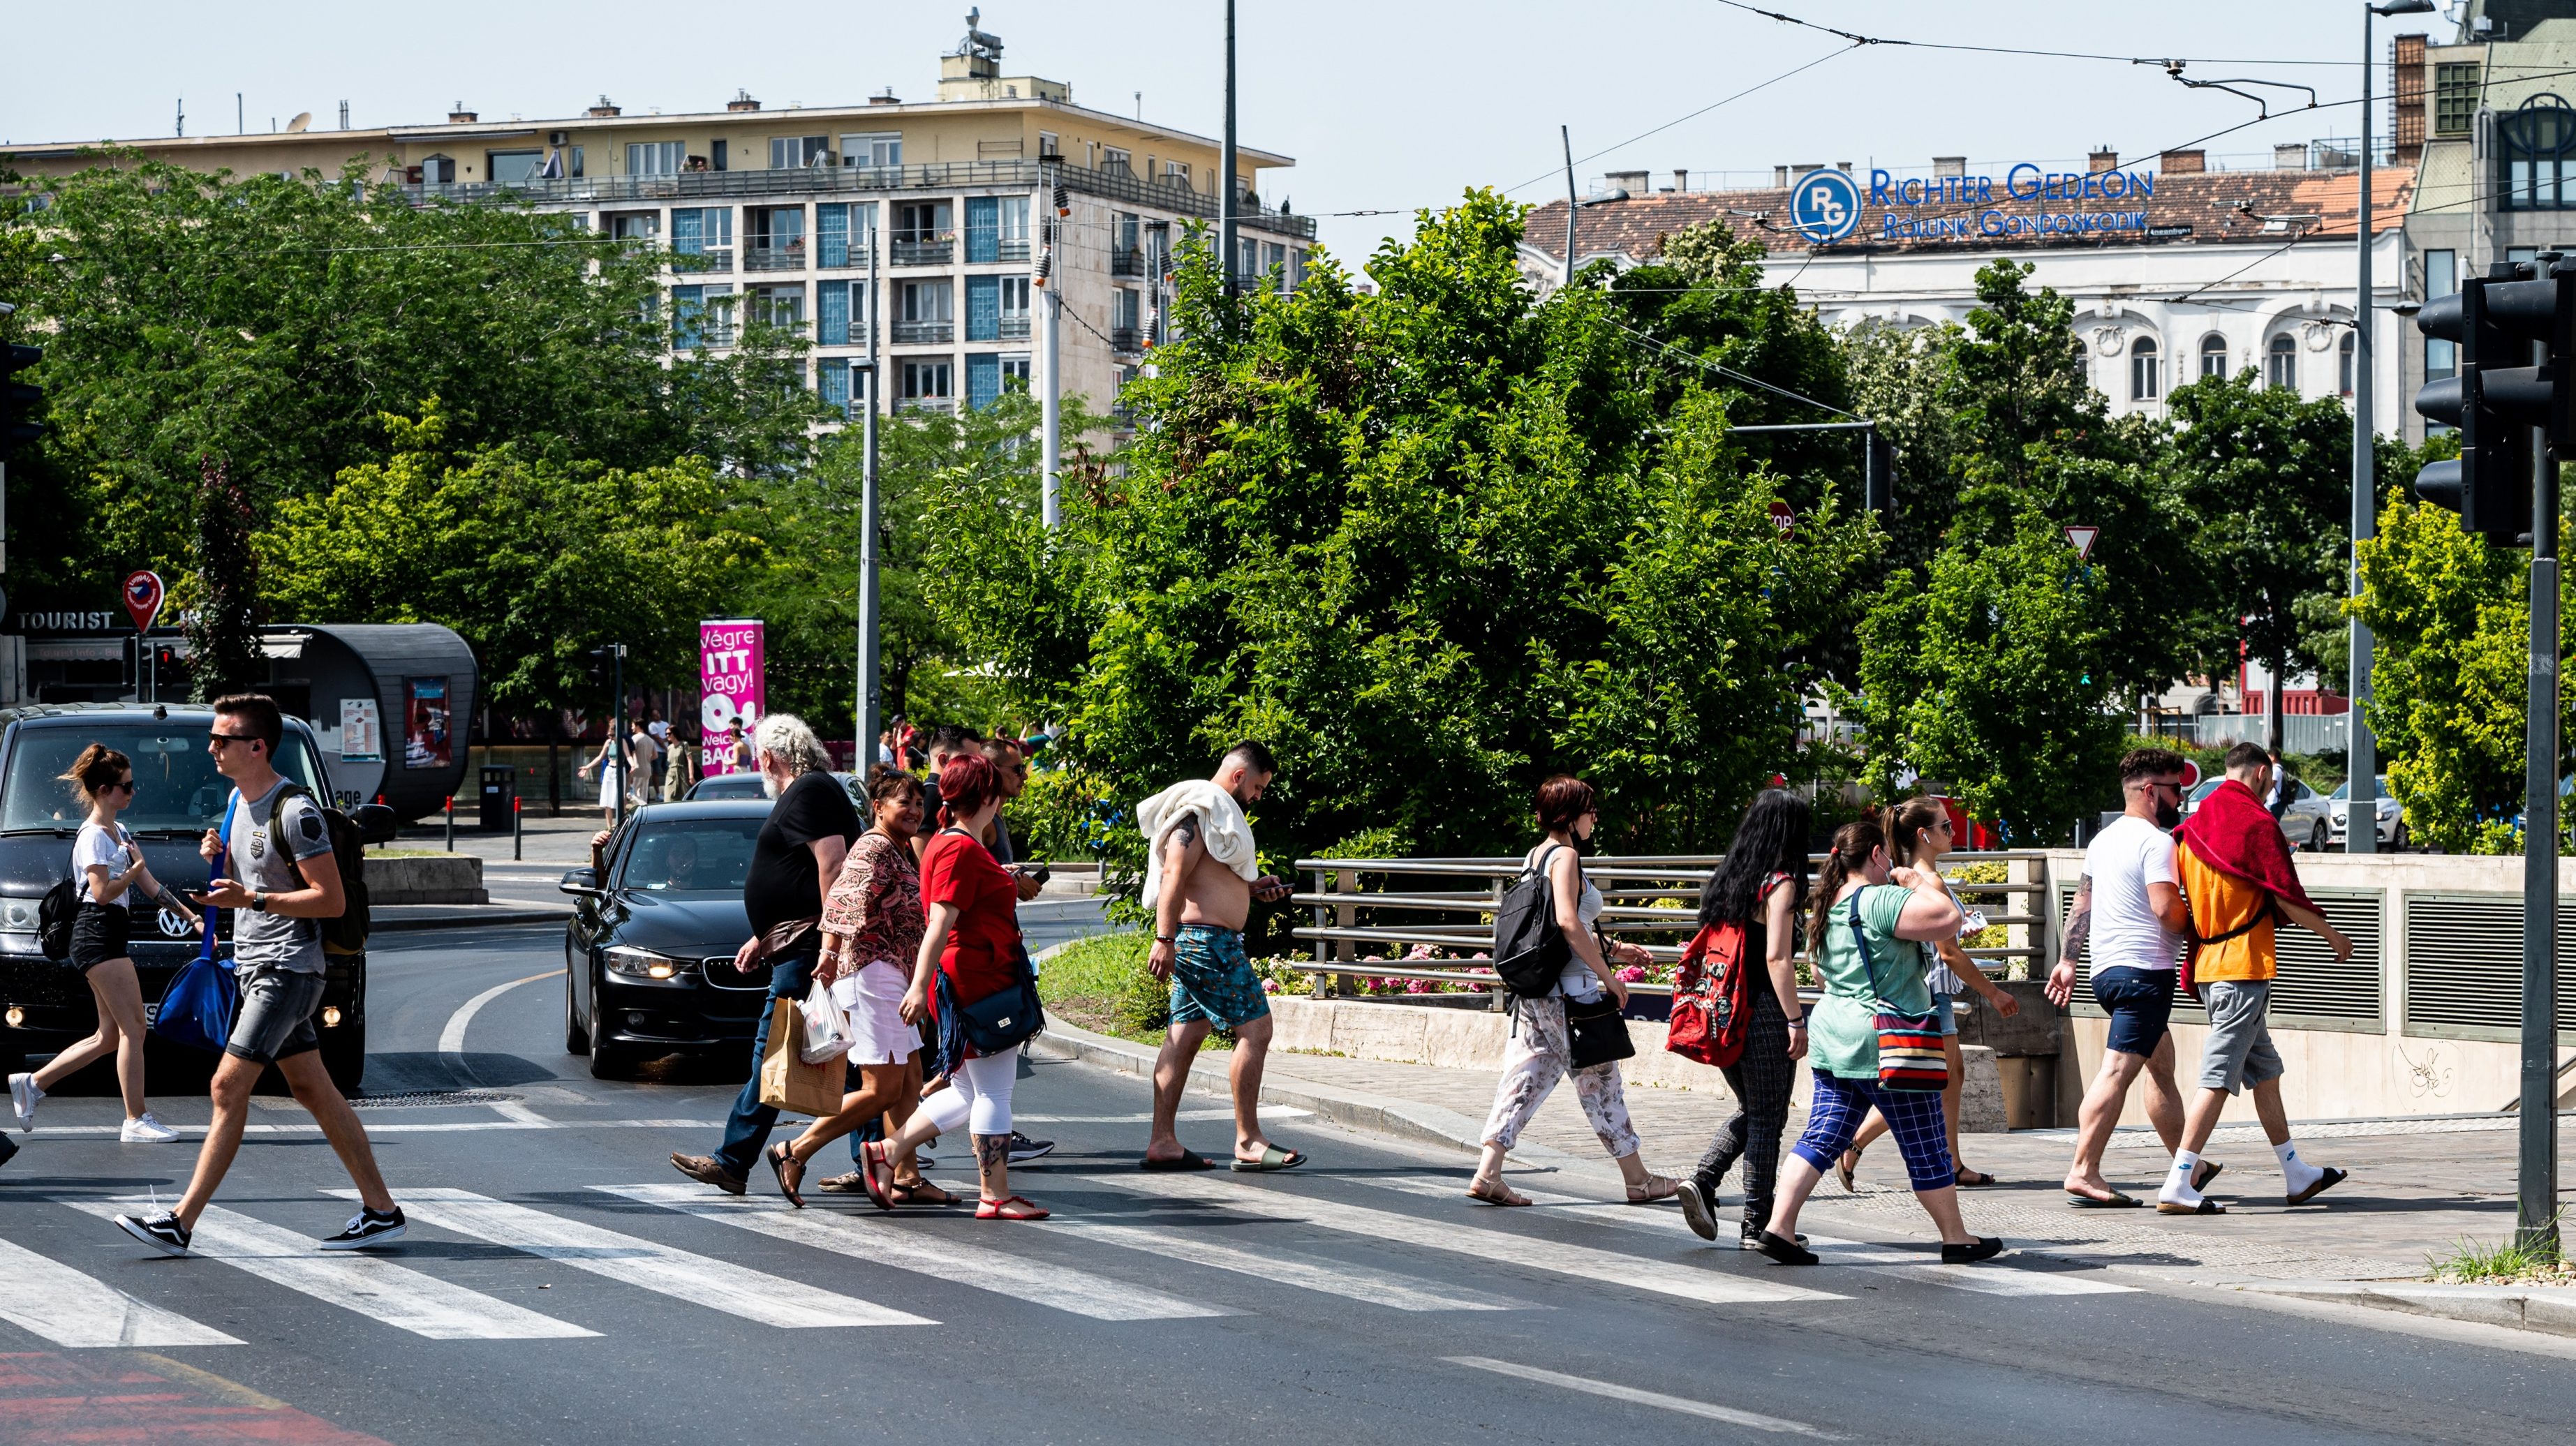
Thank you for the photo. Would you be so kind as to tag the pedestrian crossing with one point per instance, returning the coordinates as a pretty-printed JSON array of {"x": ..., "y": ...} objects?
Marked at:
[{"x": 1129, "y": 1248}]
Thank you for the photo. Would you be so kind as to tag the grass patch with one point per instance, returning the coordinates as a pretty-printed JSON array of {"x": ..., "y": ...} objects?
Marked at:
[
  {"x": 2505, "y": 1263},
  {"x": 1101, "y": 983}
]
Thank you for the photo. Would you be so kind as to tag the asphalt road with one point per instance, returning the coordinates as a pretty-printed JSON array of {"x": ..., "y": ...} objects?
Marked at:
[{"x": 561, "y": 1283}]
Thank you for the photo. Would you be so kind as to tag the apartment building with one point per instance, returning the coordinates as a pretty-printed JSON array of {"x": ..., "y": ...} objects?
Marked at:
[{"x": 780, "y": 213}]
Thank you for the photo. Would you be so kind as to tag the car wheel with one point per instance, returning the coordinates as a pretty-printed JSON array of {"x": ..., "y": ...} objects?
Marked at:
[
  {"x": 576, "y": 1033},
  {"x": 344, "y": 1055},
  {"x": 607, "y": 1061},
  {"x": 2397, "y": 839},
  {"x": 2317, "y": 838}
]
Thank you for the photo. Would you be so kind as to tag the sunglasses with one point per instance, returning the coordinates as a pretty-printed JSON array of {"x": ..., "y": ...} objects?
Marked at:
[
  {"x": 126, "y": 787},
  {"x": 220, "y": 739}
]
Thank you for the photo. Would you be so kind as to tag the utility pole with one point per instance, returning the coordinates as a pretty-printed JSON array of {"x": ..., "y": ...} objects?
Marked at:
[
  {"x": 2536, "y": 1222},
  {"x": 1225, "y": 218},
  {"x": 868, "y": 716},
  {"x": 1571, "y": 205},
  {"x": 1051, "y": 361}
]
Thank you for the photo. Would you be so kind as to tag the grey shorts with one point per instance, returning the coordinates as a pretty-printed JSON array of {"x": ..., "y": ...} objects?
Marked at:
[
  {"x": 276, "y": 1019},
  {"x": 2239, "y": 1051}
]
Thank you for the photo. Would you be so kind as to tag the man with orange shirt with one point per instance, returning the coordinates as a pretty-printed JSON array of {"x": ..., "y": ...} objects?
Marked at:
[{"x": 2237, "y": 876}]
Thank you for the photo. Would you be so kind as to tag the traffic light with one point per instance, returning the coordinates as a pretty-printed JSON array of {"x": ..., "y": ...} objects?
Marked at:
[
  {"x": 19, "y": 401},
  {"x": 1878, "y": 478},
  {"x": 2501, "y": 393}
]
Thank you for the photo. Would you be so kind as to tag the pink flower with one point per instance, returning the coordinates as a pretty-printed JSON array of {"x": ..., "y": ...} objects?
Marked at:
[
  {"x": 1418, "y": 986},
  {"x": 1631, "y": 974},
  {"x": 1480, "y": 954},
  {"x": 1269, "y": 986},
  {"x": 1420, "y": 951}
]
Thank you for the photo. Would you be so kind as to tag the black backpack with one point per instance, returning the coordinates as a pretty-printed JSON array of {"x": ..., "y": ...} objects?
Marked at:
[
  {"x": 54, "y": 919},
  {"x": 1529, "y": 949},
  {"x": 347, "y": 933}
]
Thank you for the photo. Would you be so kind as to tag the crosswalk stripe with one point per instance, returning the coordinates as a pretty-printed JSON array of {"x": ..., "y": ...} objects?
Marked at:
[
  {"x": 1392, "y": 1289},
  {"x": 1983, "y": 1279},
  {"x": 1582, "y": 1261},
  {"x": 369, "y": 1285},
  {"x": 683, "y": 1275},
  {"x": 919, "y": 1250},
  {"x": 71, "y": 1309},
  {"x": 1680, "y": 1404}
]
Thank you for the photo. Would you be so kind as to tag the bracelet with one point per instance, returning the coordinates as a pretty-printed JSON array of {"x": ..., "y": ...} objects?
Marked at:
[
  {"x": 1167, "y": 938},
  {"x": 1798, "y": 1023}
]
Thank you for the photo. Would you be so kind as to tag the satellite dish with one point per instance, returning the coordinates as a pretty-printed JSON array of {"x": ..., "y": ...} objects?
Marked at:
[{"x": 302, "y": 119}]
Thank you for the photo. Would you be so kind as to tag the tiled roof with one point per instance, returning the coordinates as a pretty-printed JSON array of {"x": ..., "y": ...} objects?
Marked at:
[{"x": 2208, "y": 202}]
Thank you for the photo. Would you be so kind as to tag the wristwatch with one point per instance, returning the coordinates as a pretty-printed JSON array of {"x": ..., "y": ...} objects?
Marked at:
[{"x": 258, "y": 902}]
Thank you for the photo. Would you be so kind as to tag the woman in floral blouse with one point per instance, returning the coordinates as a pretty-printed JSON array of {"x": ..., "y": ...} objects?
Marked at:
[{"x": 871, "y": 929}]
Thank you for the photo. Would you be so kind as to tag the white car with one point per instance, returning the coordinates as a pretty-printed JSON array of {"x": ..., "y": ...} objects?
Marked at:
[{"x": 2392, "y": 817}]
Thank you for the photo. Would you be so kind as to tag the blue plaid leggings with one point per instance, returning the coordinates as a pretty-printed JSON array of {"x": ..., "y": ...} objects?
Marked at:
[{"x": 1913, "y": 1116}]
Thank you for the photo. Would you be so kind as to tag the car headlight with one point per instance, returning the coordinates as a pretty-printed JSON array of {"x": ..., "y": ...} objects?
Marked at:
[
  {"x": 18, "y": 915},
  {"x": 643, "y": 963}
]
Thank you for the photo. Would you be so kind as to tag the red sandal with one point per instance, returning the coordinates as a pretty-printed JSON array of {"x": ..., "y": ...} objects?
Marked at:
[
  {"x": 1014, "y": 1208},
  {"x": 872, "y": 1160}
]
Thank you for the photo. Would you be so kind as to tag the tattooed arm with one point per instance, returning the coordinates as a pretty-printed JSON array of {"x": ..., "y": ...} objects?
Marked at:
[
  {"x": 1182, "y": 848},
  {"x": 2079, "y": 925}
]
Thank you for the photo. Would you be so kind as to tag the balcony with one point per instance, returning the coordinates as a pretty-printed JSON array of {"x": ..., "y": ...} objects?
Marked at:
[
  {"x": 940, "y": 252},
  {"x": 1130, "y": 262},
  {"x": 1126, "y": 339},
  {"x": 924, "y": 331},
  {"x": 944, "y": 405},
  {"x": 1013, "y": 328},
  {"x": 1014, "y": 248},
  {"x": 833, "y": 257},
  {"x": 714, "y": 258},
  {"x": 788, "y": 256}
]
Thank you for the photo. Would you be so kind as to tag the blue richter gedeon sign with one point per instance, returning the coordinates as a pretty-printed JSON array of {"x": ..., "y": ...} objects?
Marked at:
[{"x": 1825, "y": 205}]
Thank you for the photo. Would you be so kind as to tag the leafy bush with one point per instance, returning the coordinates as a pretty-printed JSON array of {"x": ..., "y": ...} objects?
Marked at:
[{"x": 1063, "y": 815}]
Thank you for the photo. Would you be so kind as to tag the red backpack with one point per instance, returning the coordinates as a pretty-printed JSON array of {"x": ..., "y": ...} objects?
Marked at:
[{"x": 1713, "y": 995}]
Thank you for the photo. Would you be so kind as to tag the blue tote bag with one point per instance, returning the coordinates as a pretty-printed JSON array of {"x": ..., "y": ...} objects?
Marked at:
[{"x": 198, "y": 1008}]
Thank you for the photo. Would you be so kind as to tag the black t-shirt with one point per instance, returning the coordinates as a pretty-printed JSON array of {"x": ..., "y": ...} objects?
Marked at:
[{"x": 782, "y": 884}]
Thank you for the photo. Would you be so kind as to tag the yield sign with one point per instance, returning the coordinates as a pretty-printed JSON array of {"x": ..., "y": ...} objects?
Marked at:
[
  {"x": 143, "y": 599},
  {"x": 2083, "y": 537}
]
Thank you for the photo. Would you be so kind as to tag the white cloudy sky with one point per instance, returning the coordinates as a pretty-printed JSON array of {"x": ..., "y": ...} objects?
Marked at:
[{"x": 1385, "y": 104}]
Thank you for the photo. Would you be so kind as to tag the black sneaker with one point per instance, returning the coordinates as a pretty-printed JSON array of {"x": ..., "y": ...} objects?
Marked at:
[
  {"x": 366, "y": 1228},
  {"x": 1024, "y": 1149},
  {"x": 1790, "y": 1252},
  {"x": 1699, "y": 1207},
  {"x": 162, "y": 1232},
  {"x": 1984, "y": 1247}
]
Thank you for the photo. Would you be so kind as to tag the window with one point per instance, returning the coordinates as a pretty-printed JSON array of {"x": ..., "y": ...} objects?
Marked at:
[
  {"x": 774, "y": 238},
  {"x": 1015, "y": 368},
  {"x": 576, "y": 161},
  {"x": 788, "y": 153},
  {"x": 1124, "y": 309},
  {"x": 2441, "y": 273},
  {"x": 701, "y": 316},
  {"x": 2455, "y": 97},
  {"x": 2213, "y": 355},
  {"x": 926, "y": 301},
  {"x": 2536, "y": 151},
  {"x": 919, "y": 221},
  {"x": 437, "y": 171},
  {"x": 1014, "y": 226},
  {"x": 1274, "y": 265},
  {"x": 705, "y": 235},
  {"x": 1115, "y": 161},
  {"x": 983, "y": 379},
  {"x": 880, "y": 150},
  {"x": 1176, "y": 173},
  {"x": 2281, "y": 362},
  {"x": 1296, "y": 267},
  {"x": 1049, "y": 147},
  {"x": 926, "y": 379},
  {"x": 656, "y": 158},
  {"x": 634, "y": 225},
  {"x": 832, "y": 384},
  {"x": 2146, "y": 372},
  {"x": 983, "y": 229},
  {"x": 512, "y": 168},
  {"x": 778, "y": 305},
  {"x": 836, "y": 303},
  {"x": 1013, "y": 295},
  {"x": 719, "y": 151},
  {"x": 2344, "y": 356},
  {"x": 841, "y": 233}
]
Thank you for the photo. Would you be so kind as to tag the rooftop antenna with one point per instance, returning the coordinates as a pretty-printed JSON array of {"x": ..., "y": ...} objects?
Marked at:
[
  {"x": 179, "y": 127},
  {"x": 1140, "y": 105},
  {"x": 240, "y": 126},
  {"x": 344, "y": 115}
]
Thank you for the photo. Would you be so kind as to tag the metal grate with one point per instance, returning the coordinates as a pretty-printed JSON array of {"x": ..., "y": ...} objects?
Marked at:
[
  {"x": 2313, "y": 991},
  {"x": 2464, "y": 966},
  {"x": 400, "y": 1099}
]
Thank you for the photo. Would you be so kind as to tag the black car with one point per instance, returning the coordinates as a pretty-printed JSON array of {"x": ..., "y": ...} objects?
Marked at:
[
  {"x": 748, "y": 785},
  {"x": 45, "y": 1006},
  {"x": 648, "y": 956}
]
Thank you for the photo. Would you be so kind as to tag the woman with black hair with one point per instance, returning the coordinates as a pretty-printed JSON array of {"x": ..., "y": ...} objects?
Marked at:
[{"x": 1760, "y": 886}]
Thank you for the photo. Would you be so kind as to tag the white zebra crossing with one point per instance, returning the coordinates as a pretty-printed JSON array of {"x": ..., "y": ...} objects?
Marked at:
[
  {"x": 1983, "y": 1279},
  {"x": 368, "y": 1285},
  {"x": 71, "y": 1309},
  {"x": 684, "y": 1275},
  {"x": 1392, "y": 1289},
  {"x": 1609, "y": 1267},
  {"x": 919, "y": 1250}
]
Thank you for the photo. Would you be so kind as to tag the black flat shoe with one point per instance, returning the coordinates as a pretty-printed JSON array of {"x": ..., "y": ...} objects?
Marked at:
[
  {"x": 1786, "y": 1252},
  {"x": 1985, "y": 1247},
  {"x": 1699, "y": 1208}
]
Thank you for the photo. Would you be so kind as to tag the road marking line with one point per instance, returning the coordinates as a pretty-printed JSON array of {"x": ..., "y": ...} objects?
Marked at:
[
  {"x": 1983, "y": 1279},
  {"x": 1689, "y": 1282},
  {"x": 1728, "y": 1414},
  {"x": 443, "y": 1127},
  {"x": 882, "y": 1242},
  {"x": 1388, "y": 1288},
  {"x": 451, "y": 1040},
  {"x": 71, "y": 1309},
  {"x": 369, "y": 1285},
  {"x": 231, "y": 1393},
  {"x": 680, "y": 1274},
  {"x": 1268, "y": 1112}
]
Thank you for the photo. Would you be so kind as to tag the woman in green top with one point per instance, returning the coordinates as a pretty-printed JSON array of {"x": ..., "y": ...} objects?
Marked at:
[{"x": 1865, "y": 937}]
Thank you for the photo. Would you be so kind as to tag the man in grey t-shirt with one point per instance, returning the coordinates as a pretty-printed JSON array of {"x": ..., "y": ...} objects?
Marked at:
[{"x": 271, "y": 835}]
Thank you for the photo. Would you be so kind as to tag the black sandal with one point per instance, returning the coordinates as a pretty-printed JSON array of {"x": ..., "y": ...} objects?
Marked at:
[
  {"x": 919, "y": 1192},
  {"x": 781, "y": 1160}
]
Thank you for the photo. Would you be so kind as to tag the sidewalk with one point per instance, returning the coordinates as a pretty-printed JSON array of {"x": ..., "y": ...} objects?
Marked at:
[{"x": 2417, "y": 1186}]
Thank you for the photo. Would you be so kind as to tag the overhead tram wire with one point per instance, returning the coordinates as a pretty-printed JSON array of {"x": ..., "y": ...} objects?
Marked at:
[
  {"x": 1553, "y": 171},
  {"x": 1859, "y": 39},
  {"x": 1729, "y": 372}
]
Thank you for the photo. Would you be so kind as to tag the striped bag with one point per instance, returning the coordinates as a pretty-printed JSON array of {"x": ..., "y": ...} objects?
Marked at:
[{"x": 1909, "y": 1045}]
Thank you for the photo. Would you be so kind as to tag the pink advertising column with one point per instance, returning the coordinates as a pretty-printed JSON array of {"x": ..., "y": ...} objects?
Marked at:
[{"x": 729, "y": 687}]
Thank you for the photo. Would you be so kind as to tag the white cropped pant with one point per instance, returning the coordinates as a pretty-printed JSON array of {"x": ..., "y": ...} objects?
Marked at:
[{"x": 978, "y": 1095}]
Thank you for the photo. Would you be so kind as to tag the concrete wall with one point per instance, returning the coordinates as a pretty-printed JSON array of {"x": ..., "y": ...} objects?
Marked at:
[{"x": 425, "y": 879}]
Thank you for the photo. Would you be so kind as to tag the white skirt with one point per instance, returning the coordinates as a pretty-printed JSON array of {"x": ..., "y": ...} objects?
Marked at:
[{"x": 873, "y": 1000}]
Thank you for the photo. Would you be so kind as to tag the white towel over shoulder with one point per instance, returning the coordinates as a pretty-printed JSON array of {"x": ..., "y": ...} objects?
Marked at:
[{"x": 1223, "y": 830}]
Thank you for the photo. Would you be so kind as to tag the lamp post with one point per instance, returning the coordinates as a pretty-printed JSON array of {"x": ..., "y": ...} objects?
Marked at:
[
  {"x": 871, "y": 697},
  {"x": 2361, "y": 763}
]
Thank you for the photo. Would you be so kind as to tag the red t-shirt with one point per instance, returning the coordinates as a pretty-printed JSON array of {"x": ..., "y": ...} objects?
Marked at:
[{"x": 981, "y": 956}]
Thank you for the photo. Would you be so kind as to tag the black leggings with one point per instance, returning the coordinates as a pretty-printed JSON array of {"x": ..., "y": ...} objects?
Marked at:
[{"x": 1761, "y": 1080}]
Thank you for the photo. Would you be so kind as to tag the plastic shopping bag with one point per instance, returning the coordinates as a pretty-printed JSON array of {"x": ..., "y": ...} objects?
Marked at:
[{"x": 826, "y": 1029}]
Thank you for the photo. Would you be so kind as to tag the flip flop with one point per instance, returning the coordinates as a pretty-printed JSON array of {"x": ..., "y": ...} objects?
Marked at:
[
  {"x": 1844, "y": 1165},
  {"x": 1189, "y": 1160},
  {"x": 2206, "y": 1172},
  {"x": 2117, "y": 1201},
  {"x": 1273, "y": 1158},
  {"x": 1967, "y": 1179},
  {"x": 2330, "y": 1179},
  {"x": 2205, "y": 1207}
]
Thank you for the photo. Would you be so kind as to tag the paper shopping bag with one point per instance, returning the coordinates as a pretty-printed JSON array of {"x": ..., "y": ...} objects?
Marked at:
[{"x": 787, "y": 1082}]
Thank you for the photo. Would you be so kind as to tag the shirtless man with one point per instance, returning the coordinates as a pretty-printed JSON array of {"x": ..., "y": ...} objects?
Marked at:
[{"x": 1199, "y": 914}]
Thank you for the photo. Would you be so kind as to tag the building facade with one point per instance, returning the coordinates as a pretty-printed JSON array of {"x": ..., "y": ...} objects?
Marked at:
[{"x": 779, "y": 213}]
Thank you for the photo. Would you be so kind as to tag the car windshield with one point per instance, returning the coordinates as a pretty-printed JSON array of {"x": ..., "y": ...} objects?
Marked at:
[
  {"x": 690, "y": 855},
  {"x": 728, "y": 785},
  {"x": 2207, "y": 787},
  {"x": 176, "y": 788},
  {"x": 2343, "y": 790}
]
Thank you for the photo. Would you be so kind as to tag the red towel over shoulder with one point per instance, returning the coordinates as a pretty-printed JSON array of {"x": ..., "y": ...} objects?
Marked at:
[{"x": 2235, "y": 834}]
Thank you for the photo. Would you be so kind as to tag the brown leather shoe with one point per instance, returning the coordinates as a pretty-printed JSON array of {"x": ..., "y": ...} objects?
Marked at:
[
  {"x": 852, "y": 1183},
  {"x": 708, "y": 1170}
]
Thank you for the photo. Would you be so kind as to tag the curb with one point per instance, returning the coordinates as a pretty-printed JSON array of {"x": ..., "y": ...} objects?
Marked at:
[
  {"x": 2544, "y": 1309},
  {"x": 469, "y": 921}
]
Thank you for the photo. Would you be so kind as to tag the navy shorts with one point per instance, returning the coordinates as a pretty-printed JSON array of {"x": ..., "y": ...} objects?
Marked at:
[{"x": 2140, "y": 1003}]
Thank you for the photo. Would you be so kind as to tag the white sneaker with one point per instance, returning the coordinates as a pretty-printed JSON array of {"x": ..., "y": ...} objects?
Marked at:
[
  {"x": 145, "y": 1130},
  {"x": 23, "y": 1096}
]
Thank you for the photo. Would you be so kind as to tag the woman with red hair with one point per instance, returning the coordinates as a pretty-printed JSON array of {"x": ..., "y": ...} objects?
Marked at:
[{"x": 972, "y": 937}]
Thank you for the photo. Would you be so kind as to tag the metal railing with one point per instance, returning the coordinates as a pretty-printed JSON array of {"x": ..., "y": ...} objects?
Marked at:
[
  {"x": 925, "y": 404},
  {"x": 924, "y": 253},
  {"x": 1013, "y": 328},
  {"x": 1449, "y": 904},
  {"x": 714, "y": 258},
  {"x": 841, "y": 257},
  {"x": 920, "y": 331},
  {"x": 1127, "y": 262},
  {"x": 1126, "y": 338},
  {"x": 1013, "y": 248},
  {"x": 787, "y": 257}
]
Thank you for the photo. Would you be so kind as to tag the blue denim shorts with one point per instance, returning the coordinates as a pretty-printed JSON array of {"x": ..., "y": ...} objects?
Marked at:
[
  {"x": 2140, "y": 1002},
  {"x": 1942, "y": 1007}
]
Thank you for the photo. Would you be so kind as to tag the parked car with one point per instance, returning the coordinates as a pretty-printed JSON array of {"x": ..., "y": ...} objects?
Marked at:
[
  {"x": 747, "y": 785},
  {"x": 45, "y": 1006},
  {"x": 2304, "y": 821},
  {"x": 648, "y": 955},
  {"x": 2392, "y": 817}
]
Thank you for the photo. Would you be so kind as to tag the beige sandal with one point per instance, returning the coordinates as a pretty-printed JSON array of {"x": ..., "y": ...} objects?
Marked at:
[
  {"x": 1656, "y": 1188},
  {"x": 1496, "y": 1193}
]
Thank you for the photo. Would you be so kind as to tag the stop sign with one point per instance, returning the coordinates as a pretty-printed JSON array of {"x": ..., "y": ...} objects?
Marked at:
[{"x": 1782, "y": 517}]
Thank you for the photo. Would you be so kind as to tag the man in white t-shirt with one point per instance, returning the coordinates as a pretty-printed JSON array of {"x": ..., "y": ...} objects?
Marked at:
[{"x": 2130, "y": 907}]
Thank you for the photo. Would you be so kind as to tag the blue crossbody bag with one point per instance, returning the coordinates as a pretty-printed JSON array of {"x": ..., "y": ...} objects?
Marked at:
[{"x": 203, "y": 999}]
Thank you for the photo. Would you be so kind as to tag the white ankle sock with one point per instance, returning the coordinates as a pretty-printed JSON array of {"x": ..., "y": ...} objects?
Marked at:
[
  {"x": 2297, "y": 1173},
  {"x": 2177, "y": 1187}
]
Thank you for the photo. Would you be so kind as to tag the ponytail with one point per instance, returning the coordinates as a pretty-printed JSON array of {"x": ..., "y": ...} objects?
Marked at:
[
  {"x": 90, "y": 774},
  {"x": 1853, "y": 844},
  {"x": 1907, "y": 822}
]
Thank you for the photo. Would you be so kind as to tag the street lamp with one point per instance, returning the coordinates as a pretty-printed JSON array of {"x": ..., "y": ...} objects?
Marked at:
[{"x": 2361, "y": 760}]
